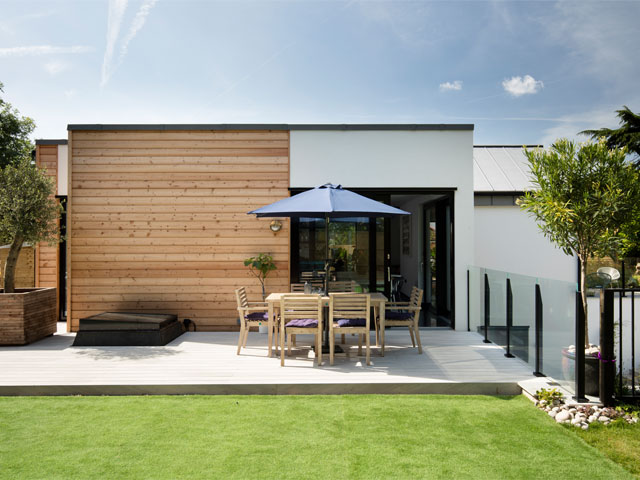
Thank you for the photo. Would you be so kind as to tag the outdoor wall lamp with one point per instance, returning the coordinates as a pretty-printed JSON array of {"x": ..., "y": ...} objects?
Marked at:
[{"x": 275, "y": 226}]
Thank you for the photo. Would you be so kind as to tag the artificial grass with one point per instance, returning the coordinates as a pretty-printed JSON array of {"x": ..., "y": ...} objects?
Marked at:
[{"x": 364, "y": 436}]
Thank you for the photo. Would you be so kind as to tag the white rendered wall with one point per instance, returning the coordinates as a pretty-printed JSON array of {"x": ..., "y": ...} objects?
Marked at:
[
  {"x": 63, "y": 160},
  {"x": 396, "y": 159},
  {"x": 508, "y": 239}
]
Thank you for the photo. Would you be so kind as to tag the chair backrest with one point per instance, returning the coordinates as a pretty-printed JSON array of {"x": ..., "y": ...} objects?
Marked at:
[
  {"x": 299, "y": 287},
  {"x": 311, "y": 276},
  {"x": 342, "y": 286},
  {"x": 416, "y": 297},
  {"x": 241, "y": 297},
  {"x": 300, "y": 306},
  {"x": 350, "y": 305},
  {"x": 612, "y": 272}
]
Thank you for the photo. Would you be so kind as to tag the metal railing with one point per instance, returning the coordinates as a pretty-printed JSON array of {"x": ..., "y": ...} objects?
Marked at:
[
  {"x": 509, "y": 310},
  {"x": 619, "y": 373}
]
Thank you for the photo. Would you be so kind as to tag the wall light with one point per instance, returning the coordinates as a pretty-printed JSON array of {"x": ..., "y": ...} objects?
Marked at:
[{"x": 275, "y": 226}]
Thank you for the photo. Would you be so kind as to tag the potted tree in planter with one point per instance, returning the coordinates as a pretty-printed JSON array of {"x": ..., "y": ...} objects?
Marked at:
[
  {"x": 260, "y": 266},
  {"x": 28, "y": 214},
  {"x": 585, "y": 194}
]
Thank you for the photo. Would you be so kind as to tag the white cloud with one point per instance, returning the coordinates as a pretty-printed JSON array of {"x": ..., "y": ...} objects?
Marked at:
[
  {"x": 55, "y": 67},
  {"x": 116, "y": 13},
  {"x": 117, "y": 10},
  {"x": 447, "y": 86},
  {"x": 42, "y": 50},
  {"x": 136, "y": 25},
  {"x": 518, "y": 86},
  {"x": 69, "y": 93}
]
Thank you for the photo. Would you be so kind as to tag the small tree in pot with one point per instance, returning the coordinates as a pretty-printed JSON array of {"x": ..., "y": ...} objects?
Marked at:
[
  {"x": 584, "y": 196},
  {"x": 28, "y": 212},
  {"x": 260, "y": 266}
]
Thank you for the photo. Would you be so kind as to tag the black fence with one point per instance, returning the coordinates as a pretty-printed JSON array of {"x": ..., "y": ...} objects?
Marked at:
[{"x": 619, "y": 377}]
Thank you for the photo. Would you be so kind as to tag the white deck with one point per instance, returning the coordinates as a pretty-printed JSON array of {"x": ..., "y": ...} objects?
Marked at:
[{"x": 206, "y": 363}]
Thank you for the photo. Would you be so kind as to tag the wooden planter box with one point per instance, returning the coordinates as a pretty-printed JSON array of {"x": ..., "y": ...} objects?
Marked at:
[{"x": 27, "y": 315}]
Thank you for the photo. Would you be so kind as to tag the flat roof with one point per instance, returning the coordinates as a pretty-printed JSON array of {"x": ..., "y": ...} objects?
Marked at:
[
  {"x": 272, "y": 126},
  {"x": 62, "y": 141}
]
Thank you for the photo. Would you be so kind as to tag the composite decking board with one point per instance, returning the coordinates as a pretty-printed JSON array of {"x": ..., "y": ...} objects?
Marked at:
[
  {"x": 453, "y": 362},
  {"x": 148, "y": 206}
]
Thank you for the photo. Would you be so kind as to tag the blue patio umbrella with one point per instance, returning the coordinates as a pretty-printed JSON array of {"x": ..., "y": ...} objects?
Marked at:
[{"x": 328, "y": 201}]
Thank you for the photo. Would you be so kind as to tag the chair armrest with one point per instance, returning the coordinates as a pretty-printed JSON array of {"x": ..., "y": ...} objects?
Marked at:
[
  {"x": 254, "y": 309},
  {"x": 397, "y": 304},
  {"x": 258, "y": 303}
]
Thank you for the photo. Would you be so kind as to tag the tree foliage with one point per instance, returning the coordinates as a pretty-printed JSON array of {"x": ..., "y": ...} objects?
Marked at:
[
  {"x": 628, "y": 135},
  {"x": 14, "y": 134},
  {"x": 28, "y": 211},
  {"x": 260, "y": 266},
  {"x": 583, "y": 195}
]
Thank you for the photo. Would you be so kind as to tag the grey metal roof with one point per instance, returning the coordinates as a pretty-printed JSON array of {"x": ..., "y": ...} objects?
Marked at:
[
  {"x": 272, "y": 126},
  {"x": 502, "y": 169}
]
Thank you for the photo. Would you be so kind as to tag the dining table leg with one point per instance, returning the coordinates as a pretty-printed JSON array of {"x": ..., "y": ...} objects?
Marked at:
[
  {"x": 271, "y": 322},
  {"x": 382, "y": 320}
]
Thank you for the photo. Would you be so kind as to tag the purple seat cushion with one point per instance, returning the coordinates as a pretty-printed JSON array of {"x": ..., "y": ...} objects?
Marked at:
[
  {"x": 303, "y": 323},
  {"x": 258, "y": 316},
  {"x": 396, "y": 315},
  {"x": 352, "y": 322}
]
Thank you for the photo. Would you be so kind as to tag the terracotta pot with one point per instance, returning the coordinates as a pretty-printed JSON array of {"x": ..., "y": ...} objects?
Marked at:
[{"x": 27, "y": 315}]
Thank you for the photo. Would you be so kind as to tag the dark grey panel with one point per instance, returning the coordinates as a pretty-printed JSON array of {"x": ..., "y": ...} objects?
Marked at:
[
  {"x": 268, "y": 126},
  {"x": 51, "y": 142}
]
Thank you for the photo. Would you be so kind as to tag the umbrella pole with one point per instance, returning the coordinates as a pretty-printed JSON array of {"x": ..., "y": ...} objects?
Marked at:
[{"x": 326, "y": 276}]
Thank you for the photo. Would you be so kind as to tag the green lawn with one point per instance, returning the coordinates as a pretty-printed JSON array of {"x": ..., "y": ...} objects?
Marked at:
[
  {"x": 290, "y": 437},
  {"x": 619, "y": 441}
]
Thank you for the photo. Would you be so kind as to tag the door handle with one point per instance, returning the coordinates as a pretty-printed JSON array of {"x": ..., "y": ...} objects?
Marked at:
[{"x": 389, "y": 274}]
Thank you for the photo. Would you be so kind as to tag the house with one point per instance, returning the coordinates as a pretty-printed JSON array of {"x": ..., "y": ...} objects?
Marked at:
[{"x": 157, "y": 214}]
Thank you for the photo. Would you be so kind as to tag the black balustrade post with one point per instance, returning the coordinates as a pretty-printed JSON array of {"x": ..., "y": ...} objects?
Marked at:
[
  {"x": 579, "y": 342},
  {"x": 468, "y": 307},
  {"x": 487, "y": 308},
  {"x": 607, "y": 361},
  {"x": 509, "y": 318},
  {"x": 538, "y": 332}
]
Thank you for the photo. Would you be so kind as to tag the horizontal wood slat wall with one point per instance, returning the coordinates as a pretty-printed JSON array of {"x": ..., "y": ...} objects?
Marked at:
[
  {"x": 25, "y": 270},
  {"x": 158, "y": 221},
  {"x": 47, "y": 256}
]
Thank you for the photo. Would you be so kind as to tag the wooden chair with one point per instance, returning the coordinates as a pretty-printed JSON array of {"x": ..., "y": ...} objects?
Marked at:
[
  {"x": 252, "y": 314},
  {"x": 342, "y": 286},
  {"x": 404, "y": 314},
  {"x": 299, "y": 287},
  {"x": 300, "y": 315},
  {"x": 350, "y": 313}
]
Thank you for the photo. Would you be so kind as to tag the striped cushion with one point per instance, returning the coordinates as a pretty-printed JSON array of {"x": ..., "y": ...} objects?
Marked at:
[
  {"x": 396, "y": 315},
  {"x": 303, "y": 323},
  {"x": 258, "y": 316},
  {"x": 351, "y": 322}
]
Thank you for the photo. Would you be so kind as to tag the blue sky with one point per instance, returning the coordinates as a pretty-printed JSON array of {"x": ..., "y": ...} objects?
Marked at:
[{"x": 522, "y": 72}]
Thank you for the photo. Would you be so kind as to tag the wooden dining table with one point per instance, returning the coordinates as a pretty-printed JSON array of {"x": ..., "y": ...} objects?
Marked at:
[{"x": 377, "y": 300}]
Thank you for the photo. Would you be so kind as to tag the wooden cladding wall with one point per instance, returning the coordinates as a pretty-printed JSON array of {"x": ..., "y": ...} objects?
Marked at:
[
  {"x": 158, "y": 221},
  {"x": 47, "y": 256},
  {"x": 25, "y": 271}
]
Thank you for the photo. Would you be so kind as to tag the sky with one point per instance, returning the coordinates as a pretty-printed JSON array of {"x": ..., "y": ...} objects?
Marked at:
[{"x": 521, "y": 72}]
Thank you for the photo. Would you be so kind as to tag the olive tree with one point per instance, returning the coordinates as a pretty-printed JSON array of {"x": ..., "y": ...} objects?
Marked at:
[
  {"x": 583, "y": 194},
  {"x": 28, "y": 212},
  {"x": 14, "y": 134}
]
